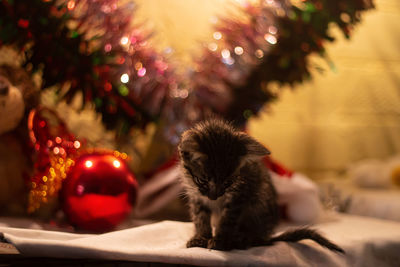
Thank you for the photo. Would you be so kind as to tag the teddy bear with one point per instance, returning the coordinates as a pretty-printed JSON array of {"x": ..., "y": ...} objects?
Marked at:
[{"x": 18, "y": 95}]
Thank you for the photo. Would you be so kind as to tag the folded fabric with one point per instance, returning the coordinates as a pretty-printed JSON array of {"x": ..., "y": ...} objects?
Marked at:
[{"x": 367, "y": 242}]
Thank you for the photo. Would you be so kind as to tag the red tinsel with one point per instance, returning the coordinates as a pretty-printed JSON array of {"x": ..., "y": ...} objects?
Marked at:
[{"x": 54, "y": 147}]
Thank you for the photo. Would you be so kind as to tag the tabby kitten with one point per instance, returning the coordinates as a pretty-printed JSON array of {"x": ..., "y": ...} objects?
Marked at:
[{"x": 228, "y": 188}]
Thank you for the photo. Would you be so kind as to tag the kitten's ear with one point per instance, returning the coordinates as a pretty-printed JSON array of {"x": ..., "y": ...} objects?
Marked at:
[
  {"x": 188, "y": 147},
  {"x": 254, "y": 148},
  {"x": 187, "y": 142}
]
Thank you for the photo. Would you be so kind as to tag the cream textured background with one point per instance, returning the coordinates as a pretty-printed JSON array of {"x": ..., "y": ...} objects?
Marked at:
[
  {"x": 321, "y": 126},
  {"x": 347, "y": 115}
]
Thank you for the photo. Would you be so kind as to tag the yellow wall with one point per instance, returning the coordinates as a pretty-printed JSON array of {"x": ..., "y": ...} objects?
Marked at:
[
  {"x": 323, "y": 125},
  {"x": 346, "y": 115}
]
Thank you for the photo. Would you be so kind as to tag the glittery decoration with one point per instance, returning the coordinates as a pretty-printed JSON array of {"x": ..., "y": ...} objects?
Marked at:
[
  {"x": 49, "y": 185},
  {"x": 270, "y": 45},
  {"x": 55, "y": 148},
  {"x": 93, "y": 47}
]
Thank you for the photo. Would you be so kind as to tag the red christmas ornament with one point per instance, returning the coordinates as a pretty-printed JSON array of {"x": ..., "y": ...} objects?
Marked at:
[{"x": 99, "y": 191}]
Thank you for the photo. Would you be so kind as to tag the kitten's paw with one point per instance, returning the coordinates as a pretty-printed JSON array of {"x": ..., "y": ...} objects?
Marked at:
[
  {"x": 219, "y": 244},
  {"x": 197, "y": 242}
]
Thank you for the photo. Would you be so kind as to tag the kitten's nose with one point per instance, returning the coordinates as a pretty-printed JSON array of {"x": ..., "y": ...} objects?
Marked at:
[
  {"x": 212, "y": 195},
  {"x": 212, "y": 191}
]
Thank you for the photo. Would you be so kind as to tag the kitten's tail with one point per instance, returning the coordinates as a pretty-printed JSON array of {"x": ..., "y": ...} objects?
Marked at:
[{"x": 306, "y": 233}]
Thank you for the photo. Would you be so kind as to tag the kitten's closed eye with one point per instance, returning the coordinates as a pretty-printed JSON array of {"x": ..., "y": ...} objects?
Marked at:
[
  {"x": 202, "y": 185},
  {"x": 198, "y": 180},
  {"x": 227, "y": 183}
]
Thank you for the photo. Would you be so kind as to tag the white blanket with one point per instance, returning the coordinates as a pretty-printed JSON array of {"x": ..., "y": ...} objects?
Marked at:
[
  {"x": 367, "y": 242},
  {"x": 345, "y": 195}
]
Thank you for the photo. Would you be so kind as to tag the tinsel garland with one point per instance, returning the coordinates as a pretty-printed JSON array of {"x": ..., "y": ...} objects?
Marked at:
[
  {"x": 92, "y": 47},
  {"x": 234, "y": 73}
]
